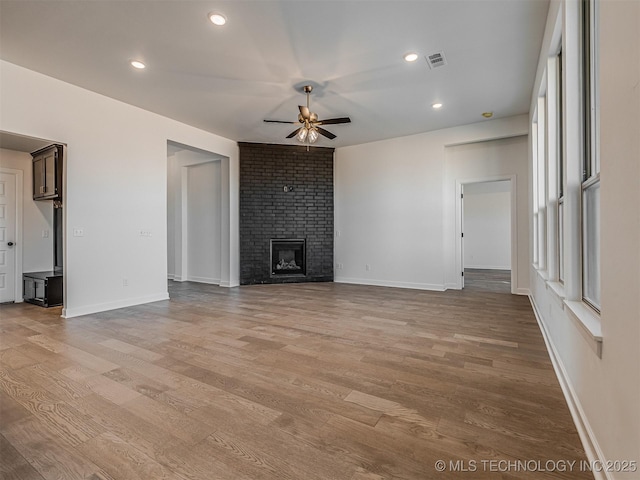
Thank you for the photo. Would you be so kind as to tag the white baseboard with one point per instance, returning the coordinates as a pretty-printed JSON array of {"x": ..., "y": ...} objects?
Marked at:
[
  {"x": 171, "y": 276},
  {"x": 103, "y": 307},
  {"x": 522, "y": 291},
  {"x": 211, "y": 281},
  {"x": 585, "y": 432},
  {"x": 487, "y": 267},
  {"x": 390, "y": 283}
]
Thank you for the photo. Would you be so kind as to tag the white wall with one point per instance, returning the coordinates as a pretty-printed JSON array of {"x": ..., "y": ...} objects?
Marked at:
[
  {"x": 603, "y": 393},
  {"x": 116, "y": 186},
  {"x": 37, "y": 217},
  {"x": 487, "y": 225},
  {"x": 204, "y": 222},
  {"x": 395, "y": 206}
]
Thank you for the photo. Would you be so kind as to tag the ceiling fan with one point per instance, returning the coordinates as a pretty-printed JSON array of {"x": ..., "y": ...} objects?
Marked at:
[{"x": 311, "y": 129}]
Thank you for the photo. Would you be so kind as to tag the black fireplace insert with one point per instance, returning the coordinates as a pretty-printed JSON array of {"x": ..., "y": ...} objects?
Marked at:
[{"x": 288, "y": 257}]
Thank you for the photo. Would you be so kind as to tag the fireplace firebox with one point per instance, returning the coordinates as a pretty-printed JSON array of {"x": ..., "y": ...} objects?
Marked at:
[{"x": 288, "y": 257}]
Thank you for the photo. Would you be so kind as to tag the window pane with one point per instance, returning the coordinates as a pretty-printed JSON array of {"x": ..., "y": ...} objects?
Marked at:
[
  {"x": 561, "y": 241},
  {"x": 560, "y": 153},
  {"x": 542, "y": 239},
  {"x": 591, "y": 239},
  {"x": 586, "y": 88},
  {"x": 535, "y": 238}
]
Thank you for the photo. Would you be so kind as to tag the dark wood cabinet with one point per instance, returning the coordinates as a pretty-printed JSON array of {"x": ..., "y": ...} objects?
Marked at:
[
  {"x": 42, "y": 288},
  {"x": 47, "y": 173}
]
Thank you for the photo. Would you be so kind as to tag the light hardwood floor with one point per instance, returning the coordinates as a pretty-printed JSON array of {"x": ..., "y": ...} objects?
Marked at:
[{"x": 300, "y": 381}]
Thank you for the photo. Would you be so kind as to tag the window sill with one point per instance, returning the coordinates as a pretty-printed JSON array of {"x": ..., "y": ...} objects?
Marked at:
[
  {"x": 588, "y": 322},
  {"x": 543, "y": 274},
  {"x": 558, "y": 292}
]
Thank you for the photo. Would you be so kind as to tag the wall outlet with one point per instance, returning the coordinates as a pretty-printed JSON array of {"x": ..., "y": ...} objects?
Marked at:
[
  {"x": 367, "y": 267},
  {"x": 338, "y": 233},
  {"x": 45, "y": 233},
  {"x": 78, "y": 231},
  {"x": 339, "y": 266},
  {"x": 125, "y": 282},
  {"x": 145, "y": 233}
]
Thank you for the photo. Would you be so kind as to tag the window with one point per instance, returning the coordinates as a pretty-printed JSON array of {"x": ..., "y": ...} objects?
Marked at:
[
  {"x": 534, "y": 142},
  {"x": 590, "y": 160},
  {"x": 560, "y": 168},
  {"x": 542, "y": 184}
]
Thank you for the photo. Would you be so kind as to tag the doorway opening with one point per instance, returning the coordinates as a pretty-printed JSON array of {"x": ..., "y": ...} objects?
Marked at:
[
  {"x": 487, "y": 235},
  {"x": 194, "y": 214},
  {"x": 32, "y": 232}
]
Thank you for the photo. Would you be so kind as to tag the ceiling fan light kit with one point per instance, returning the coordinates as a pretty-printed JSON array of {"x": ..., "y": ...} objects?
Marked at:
[
  {"x": 302, "y": 134},
  {"x": 311, "y": 130}
]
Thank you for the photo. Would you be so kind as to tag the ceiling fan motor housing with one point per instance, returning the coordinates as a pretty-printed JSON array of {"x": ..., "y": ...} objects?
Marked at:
[{"x": 310, "y": 128}]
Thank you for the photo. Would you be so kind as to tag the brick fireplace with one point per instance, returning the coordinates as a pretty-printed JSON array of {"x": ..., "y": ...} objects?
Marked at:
[{"x": 286, "y": 200}]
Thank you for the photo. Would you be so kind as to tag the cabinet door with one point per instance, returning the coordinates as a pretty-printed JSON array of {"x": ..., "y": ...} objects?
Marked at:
[
  {"x": 29, "y": 287},
  {"x": 41, "y": 290},
  {"x": 38, "y": 176},
  {"x": 50, "y": 159}
]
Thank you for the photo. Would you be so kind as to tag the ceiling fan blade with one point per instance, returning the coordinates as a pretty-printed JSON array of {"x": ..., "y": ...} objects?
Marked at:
[
  {"x": 326, "y": 133},
  {"x": 334, "y": 121},
  {"x": 294, "y": 133},
  {"x": 280, "y": 121},
  {"x": 304, "y": 111}
]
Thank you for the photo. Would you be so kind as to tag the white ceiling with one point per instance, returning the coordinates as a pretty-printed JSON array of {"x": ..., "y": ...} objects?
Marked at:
[
  {"x": 226, "y": 80},
  {"x": 22, "y": 143}
]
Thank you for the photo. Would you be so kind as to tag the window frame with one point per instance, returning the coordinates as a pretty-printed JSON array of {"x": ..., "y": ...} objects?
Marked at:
[
  {"x": 560, "y": 167},
  {"x": 590, "y": 146}
]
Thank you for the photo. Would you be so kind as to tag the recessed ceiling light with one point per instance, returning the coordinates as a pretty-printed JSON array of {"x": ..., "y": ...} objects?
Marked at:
[
  {"x": 436, "y": 105},
  {"x": 411, "y": 57},
  {"x": 137, "y": 64},
  {"x": 217, "y": 18},
  {"x": 487, "y": 114}
]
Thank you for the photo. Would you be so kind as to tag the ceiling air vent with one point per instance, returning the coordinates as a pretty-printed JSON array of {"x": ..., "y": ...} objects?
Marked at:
[{"x": 436, "y": 60}]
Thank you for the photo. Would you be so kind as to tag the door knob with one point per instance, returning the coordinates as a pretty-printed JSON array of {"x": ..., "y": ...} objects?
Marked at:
[{"x": 10, "y": 244}]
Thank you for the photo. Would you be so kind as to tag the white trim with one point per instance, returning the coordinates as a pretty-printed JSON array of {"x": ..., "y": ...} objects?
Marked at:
[
  {"x": 391, "y": 283},
  {"x": 557, "y": 292},
  {"x": 488, "y": 267},
  {"x": 18, "y": 270},
  {"x": 171, "y": 276},
  {"x": 585, "y": 432},
  {"x": 103, "y": 307},
  {"x": 588, "y": 322},
  {"x": 211, "y": 281},
  {"x": 514, "y": 225}
]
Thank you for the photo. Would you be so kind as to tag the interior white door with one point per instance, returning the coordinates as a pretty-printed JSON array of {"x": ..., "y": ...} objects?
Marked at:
[{"x": 7, "y": 237}]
